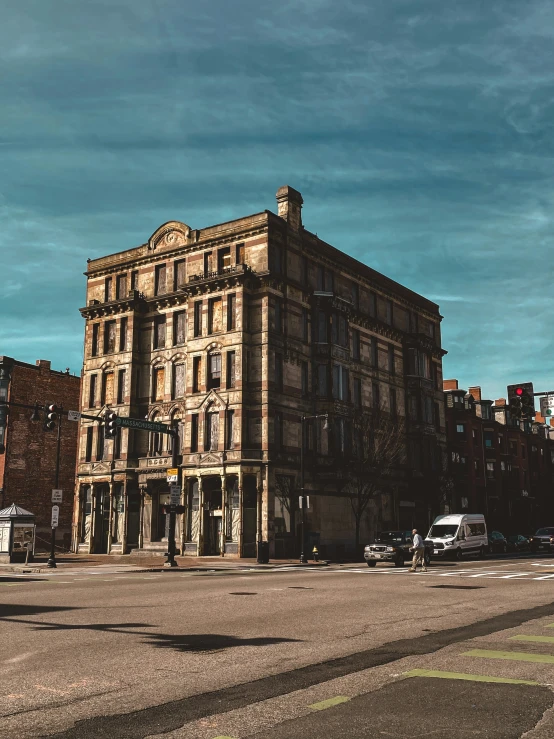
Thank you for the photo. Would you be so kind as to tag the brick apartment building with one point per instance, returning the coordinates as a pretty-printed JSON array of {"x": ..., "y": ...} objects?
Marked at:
[
  {"x": 27, "y": 468},
  {"x": 499, "y": 466},
  {"x": 235, "y": 331}
]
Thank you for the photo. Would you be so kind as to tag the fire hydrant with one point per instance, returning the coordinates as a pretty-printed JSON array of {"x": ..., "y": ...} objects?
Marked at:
[{"x": 316, "y": 554}]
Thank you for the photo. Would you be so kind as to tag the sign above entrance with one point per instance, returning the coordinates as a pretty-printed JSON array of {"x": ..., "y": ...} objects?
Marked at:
[
  {"x": 135, "y": 423},
  {"x": 173, "y": 475}
]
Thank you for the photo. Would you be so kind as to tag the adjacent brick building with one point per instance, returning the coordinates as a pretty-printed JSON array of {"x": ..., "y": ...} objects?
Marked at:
[
  {"x": 499, "y": 466},
  {"x": 27, "y": 468},
  {"x": 234, "y": 331}
]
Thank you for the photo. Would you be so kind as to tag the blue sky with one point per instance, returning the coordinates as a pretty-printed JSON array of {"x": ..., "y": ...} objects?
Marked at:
[{"x": 418, "y": 131}]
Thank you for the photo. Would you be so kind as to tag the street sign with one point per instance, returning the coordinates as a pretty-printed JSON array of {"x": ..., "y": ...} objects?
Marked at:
[
  {"x": 303, "y": 501},
  {"x": 174, "y": 494},
  {"x": 173, "y": 475},
  {"x": 547, "y": 406},
  {"x": 73, "y": 415},
  {"x": 55, "y": 516},
  {"x": 57, "y": 496},
  {"x": 135, "y": 423}
]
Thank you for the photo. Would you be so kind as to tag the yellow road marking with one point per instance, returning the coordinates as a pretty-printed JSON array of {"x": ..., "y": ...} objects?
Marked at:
[
  {"x": 329, "y": 703},
  {"x": 518, "y": 656},
  {"x": 542, "y": 639},
  {"x": 467, "y": 676}
]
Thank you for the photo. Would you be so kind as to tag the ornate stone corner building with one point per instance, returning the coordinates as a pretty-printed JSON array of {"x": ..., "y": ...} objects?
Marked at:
[{"x": 236, "y": 331}]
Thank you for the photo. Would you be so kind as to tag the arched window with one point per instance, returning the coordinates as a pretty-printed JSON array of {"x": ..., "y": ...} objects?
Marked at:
[
  {"x": 212, "y": 428},
  {"x": 156, "y": 440},
  {"x": 177, "y": 416}
]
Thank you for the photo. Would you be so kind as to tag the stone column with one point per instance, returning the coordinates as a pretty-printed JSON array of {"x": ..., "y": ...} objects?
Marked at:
[
  {"x": 201, "y": 517},
  {"x": 223, "y": 513},
  {"x": 141, "y": 517},
  {"x": 125, "y": 517}
]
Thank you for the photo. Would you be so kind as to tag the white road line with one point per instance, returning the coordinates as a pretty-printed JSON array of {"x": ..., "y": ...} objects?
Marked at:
[{"x": 544, "y": 577}]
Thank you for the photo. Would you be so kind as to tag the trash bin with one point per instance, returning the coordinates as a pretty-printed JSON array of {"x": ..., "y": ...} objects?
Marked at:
[{"x": 263, "y": 552}]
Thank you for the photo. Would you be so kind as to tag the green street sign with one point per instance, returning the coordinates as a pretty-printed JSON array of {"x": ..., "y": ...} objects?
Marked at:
[{"x": 136, "y": 423}]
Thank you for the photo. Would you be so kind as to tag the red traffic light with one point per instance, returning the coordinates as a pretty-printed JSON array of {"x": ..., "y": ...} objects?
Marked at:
[{"x": 519, "y": 391}]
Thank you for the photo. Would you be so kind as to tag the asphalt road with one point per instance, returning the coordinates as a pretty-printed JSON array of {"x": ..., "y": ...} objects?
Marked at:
[{"x": 465, "y": 650}]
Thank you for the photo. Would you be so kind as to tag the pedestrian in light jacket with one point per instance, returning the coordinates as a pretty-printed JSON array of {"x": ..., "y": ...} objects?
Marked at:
[{"x": 419, "y": 552}]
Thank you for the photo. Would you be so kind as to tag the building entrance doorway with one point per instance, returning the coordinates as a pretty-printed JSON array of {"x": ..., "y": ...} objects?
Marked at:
[
  {"x": 101, "y": 519},
  {"x": 213, "y": 515}
]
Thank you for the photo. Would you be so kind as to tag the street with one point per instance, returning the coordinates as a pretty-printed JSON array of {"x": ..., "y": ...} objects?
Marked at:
[{"x": 342, "y": 651}]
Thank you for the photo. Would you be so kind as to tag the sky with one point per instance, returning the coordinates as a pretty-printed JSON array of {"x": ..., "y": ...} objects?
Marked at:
[{"x": 420, "y": 133}]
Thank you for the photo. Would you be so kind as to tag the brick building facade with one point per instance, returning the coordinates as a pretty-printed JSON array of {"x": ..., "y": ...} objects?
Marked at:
[
  {"x": 500, "y": 467},
  {"x": 234, "y": 331},
  {"x": 27, "y": 468}
]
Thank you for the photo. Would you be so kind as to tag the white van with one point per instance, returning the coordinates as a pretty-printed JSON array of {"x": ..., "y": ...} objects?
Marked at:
[{"x": 458, "y": 535}]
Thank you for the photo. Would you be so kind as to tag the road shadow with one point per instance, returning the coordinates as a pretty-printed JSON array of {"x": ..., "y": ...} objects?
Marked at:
[
  {"x": 209, "y": 643},
  {"x": 10, "y": 611}
]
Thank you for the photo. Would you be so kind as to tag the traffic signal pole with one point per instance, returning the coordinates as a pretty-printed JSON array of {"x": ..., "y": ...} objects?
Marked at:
[
  {"x": 52, "y": 559},
  {"x": 170, "y": 561}
]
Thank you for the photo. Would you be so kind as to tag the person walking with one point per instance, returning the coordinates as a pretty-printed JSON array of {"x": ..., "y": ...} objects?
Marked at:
[{"x": 419, "y": 552}]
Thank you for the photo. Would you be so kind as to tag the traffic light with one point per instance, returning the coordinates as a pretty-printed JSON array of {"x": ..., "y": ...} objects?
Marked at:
[
  {"x": 521, "y": 400},
  {"x": 110, "y": 424},
  {"x": 52, "y": 415}
]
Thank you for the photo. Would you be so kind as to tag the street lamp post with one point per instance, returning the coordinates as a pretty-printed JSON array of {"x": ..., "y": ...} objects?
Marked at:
[
  {"x": 303, "y": 419},
  {"x": 52, "y": 559},
  {"x": 170, "y": 556}
]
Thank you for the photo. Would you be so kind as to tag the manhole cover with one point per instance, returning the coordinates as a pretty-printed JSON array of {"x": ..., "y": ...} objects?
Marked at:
[
  {"x": 458, "y": 587},
  {"x": 243, "y": 593}
]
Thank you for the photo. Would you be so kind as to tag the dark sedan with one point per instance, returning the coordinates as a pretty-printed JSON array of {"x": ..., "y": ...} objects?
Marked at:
[
  {"x": 518, "y": 543},
  {"x": 541, "y": 540},
  {"x": 497, "y": 542}
]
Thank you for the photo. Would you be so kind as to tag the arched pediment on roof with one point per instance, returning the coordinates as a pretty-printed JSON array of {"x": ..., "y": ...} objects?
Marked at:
[
  {"x": 214, "y": 401},
  {"x": 171, "y": 234}
]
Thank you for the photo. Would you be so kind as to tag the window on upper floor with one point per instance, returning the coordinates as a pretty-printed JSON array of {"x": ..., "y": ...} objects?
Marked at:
[
  {"x": 121, "y": 387},
  {"x": 160, "y": 284},
  {"x": 304, "y": 378},
  {"x": 375, "y": 395},
  {"x": 374, "y": 349},
  {"x": 357, "y": 392},
  {"x": 231, "y": 370},
  {"x": 239, "y": 255},
  {"x": 322, "y": 383},
  {"x": 304, "y": 274},
  {"x": 215, "y": 315},
  {"x": 108, "y": 287},
  {"x": 214, "y": 371},
  {"x": 322, "y": 327},
  {"x": 121, "y": 287},
  {"x": 194, "y": 432},
  {"x": 231, "y": 312},
  {"x": 159, "y": 332},
  {"x": 179, "y": 273},
  {"x": 277, "y": 323},
  {"x": 230, "y": 430},
  {"x": 88, "y": 443},
  {"x": 179, "y": 327},
  {"x": 209, "y": 262},
  {"x": 325, "y": 279},
  {"x": 92, "y": 391},
  {"x": 123, "y": 334},
  {"x": 134, "y": 279},
  {"x": 198, "y": 318},
  {"x": 460, "y": 428},
  {"x": 107, "y": 389},
  {"x": 356, "y": 345},
  {"x": 158, "y": 384},
  {"x": 341, "y": 390},
  {"x": 490, "y": 469},
  {"x": 339, "y": 329},
  {"x": 488, "y": 438},
  {"x": 391, "y": 366},
  {"x": 305, "y": 326},
  {"x": 94, "y": 341},
  {"x": 355, "y": 295},
  {"x": 372, "y": 304},
  {"x": 178, "y": 384},
  {"x": 109, "y": 337},
  {"x": 223, "y": 258}
]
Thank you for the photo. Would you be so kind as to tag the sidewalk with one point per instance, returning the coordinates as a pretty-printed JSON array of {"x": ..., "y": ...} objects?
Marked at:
[{"x": 68, "y": 563}]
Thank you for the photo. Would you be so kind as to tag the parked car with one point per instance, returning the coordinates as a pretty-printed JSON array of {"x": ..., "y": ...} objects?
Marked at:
[
  {"x": 497, "y": 542},
  {"x": 459, "y": 535},
  {"x": 542, "y": 540},
  {"x": 518, "y": 543},
  {"x": 393, "y": 546}
]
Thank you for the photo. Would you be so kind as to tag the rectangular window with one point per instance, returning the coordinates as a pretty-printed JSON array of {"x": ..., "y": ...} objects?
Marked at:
[
  {"x": 490, "y": 469},
  {"x": 304, "y": 271},
  {"x": 159, "y": 332},
  {"x": 92, "y": 391},
  {"x": 356, "y": 345},
  {"x": 231, "y": 312},
  {"x": 358, "y": 392},
  {"x": 214, "y": 371},
  {"x": 320, "y": 278},
  {"x": 305, "y": 326},
  {"x": 391, "y": 359},
  {"x": 460, "y": 429},
  {"x": 121, "y": 287},
  {"x": 322, "y": 327},
  {"x": 212, "y": 431},
  {"x": 121, "y": 387},
  {"x": 375, "y": 395},
  {"x": 94, "y": 342},
  {"x": 355, "y": 295},
  {"x": 160, "y": 280},
  {"x": 374, "y": 353},
  {"x": 208, "y": 263},
  {"x": 230, "y": 430},
  {"x": 159, "y": 383},
  {"x": 240, "y": 254},
  {"x": 178, "y": 381},
  {"x": 388, "y": 312},
  {"x": 179, "y": 273},
  {"x": 179, "y": 327},
  {"x": 194, "y": 432},
  {"x": 278, "y": 315},
  {"x": 198, "y": 318},
  {"x": 342, "y": 330},
  {"x": 322, "y": 389},
  {"x": 134, "y": 279},
  {"x": 107, "y": 389},
  {"x": 340, "y": 382},
  {"x": 223, "y": 259},
  {"x": 304, "y": 379},
  {"x": 279, "y": 372},
  {"x": 88, "y": 446},
  {"x": 196, "y": 374},
  {"x": 372, "y": 305},
  {"x": 107, "y": 289},
  {"x": 123, "y": 334},
  {"x": 109, "y": 337},
  {"x": 488, "y": 437},
  {"x": 215, "y": 315},
  {"x": 392, "y": 400},
  {"x": 100, "y": 442},
  {"x": 230, "y": 369}
]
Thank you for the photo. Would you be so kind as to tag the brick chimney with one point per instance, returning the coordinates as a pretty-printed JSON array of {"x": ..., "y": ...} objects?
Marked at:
[
  {"x": 476, "y": 392},
  {"x": 500, "y": 401},
  {"x": 43, "y": 365},
  {"x": 450, "y": 384},
  {"x": 289, "y": 206}
]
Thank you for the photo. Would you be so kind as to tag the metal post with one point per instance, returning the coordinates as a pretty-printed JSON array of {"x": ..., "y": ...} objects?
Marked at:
[
  {"x": 170, "y": 562},
  {"x": 52, "y": 559},
  {"x": 303, "y": 558}
]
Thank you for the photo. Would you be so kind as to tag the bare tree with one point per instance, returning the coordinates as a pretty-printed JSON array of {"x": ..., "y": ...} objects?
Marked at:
[
  {"x": 367, "y": 465},
  {"x": 286, "y": 493}
]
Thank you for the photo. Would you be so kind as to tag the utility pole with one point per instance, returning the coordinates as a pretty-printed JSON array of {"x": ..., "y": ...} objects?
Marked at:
[
  {"x": 52, "y": 559},
  {"x": 170, "y": 562}
]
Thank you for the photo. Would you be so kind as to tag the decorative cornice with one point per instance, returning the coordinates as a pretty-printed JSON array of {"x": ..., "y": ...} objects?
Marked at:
[{"x": 96, "y": 309}]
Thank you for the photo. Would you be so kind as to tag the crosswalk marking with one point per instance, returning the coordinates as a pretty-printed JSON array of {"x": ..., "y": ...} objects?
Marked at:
[
  {"x": 466, "y": 676},
  {"x": 531, "y": 638},
  {"x": 516, "y": 656}
]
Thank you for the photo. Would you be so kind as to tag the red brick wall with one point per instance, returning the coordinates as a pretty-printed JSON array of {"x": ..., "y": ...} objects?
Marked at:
[{"x": 30, "y": 459}]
